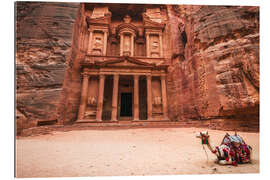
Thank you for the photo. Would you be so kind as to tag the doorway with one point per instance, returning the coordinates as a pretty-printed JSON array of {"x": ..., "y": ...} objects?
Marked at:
[{"x": 126, "y": 105}]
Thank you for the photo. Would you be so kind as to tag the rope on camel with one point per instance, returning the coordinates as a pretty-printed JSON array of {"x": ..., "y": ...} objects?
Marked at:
[{"x": 205, "y": 152}]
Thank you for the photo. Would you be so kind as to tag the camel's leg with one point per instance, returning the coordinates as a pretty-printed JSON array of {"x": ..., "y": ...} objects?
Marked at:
[{"x": 224, "y": 162}]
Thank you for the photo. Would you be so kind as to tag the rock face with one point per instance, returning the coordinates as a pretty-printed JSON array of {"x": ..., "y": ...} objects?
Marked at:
[
  {"x": 213, "y": 75},
  {"x": 43, "y": 41},
  {"x": 216, "y": 67}
]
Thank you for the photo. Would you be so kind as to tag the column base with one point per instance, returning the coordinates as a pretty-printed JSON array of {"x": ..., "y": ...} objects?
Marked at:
[
  {"x": 166, "y": 118},
  {"x": 114, "y": 120},
  {"x": 85, "y": 121},
  {"x": 98, "y": 120}
]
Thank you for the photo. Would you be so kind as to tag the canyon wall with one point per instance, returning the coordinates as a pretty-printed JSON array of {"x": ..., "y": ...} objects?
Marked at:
[
  {"x": 213, "y": 75},
  {"x": 43, "y": 42},
  {"x": 215, "y": 69}
]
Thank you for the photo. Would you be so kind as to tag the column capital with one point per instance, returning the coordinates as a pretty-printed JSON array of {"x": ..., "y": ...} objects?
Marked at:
[
  {"x": 163, "y": 76},
  {"x": 136, "y": 76},
  {"x": 102, "y": 76},
  {"x": 84, "y": 75},
  {"x": 149, "y": 76}
]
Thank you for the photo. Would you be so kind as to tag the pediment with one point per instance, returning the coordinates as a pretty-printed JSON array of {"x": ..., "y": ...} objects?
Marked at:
[
  {"x": 99, "y": 20},
  {"x": 126, "y": 62},
  {"x": 147, "y": 21}
]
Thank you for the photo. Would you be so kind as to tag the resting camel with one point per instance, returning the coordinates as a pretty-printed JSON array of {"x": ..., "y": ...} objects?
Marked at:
[{"x": 233, "y": 149}]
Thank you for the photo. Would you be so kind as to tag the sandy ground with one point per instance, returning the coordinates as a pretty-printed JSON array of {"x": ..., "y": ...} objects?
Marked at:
[{"x": 124, "y": 152}]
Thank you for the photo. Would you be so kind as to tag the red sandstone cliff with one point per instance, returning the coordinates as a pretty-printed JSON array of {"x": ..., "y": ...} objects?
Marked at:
[
  {"x": 213, "y": 77},
  {"x": 216, "y": 66},
  {"x": 43, "y": 41}
]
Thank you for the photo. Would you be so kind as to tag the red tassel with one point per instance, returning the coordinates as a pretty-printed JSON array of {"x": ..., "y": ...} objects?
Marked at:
[{"x": 234, "y": 163}]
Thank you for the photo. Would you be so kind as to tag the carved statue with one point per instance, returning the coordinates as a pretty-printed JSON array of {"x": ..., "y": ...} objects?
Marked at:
[
  {"x": 98, "y": 43},
  {"x": 233, "y": 149},
  {"x": 127, "y": 49},
  {"x": 155, "y": 45},
  {"x": 157, "y": 100},
  {"x": 127, "y": 19},
  {"x": 91, "y": 101}
]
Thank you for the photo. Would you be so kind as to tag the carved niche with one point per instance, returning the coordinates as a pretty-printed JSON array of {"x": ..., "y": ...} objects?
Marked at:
[
  {"x": 153, "y": 22},
  {"x": 127, "y": 33},
  {"x": 97, "y": 43},
  {"x": 98, "y": 24},
  {"x": 154, "y": 46}
]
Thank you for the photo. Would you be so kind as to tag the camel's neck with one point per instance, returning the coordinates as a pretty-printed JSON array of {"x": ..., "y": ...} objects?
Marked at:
[{"x": 210, "y": 145}]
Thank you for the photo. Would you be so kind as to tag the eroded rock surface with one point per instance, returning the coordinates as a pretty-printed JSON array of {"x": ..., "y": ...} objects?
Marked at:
[
  {"x": 213, "y": 53},
  {"x": 43, "y": 41},
  {"x": 217, "y": 75}
]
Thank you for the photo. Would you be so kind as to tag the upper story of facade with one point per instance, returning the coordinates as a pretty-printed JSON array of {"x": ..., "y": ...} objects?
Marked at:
[{"x": 126, "y": 31}]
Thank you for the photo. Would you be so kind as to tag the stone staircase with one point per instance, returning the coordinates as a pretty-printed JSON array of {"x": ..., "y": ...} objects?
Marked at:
[{"x": 218, "y": 124}]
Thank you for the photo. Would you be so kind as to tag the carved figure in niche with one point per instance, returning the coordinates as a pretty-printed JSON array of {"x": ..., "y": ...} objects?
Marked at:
[
  {"x": 155, "y": 45},
  {"x": 127, "y": 19},
  {"x": 157, "y": 100},
  {"x": 127, "y": 45},
  {"x": 91, "y": 101},
  {"x": 97, "y": 43}
]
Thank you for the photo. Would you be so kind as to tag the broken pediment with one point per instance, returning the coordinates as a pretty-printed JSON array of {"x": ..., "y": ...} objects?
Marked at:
[
  {"x": 100, "y": 15},
  {"x": 100, "y": 12},
  {"x": 153, "y": 17}
]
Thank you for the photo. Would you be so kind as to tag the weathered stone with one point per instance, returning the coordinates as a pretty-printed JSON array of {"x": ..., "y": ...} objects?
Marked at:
[
  {"x": 212, "y": 53},
  {"x": 43, "y": 41},
  {"x": 223, "y": 48}
]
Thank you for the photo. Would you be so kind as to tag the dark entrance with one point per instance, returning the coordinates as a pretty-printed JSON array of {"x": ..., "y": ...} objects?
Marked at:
[{"x": 126, "y": 105}]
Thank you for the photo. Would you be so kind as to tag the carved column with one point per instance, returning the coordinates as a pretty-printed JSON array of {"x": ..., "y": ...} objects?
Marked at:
[
  {"x": 149, "y": 96},
  {"x": 90, "y": 43},
  {"x": 160, "y": 45},
  {"x": 132, "y": 45},
  {"x": 164, "y": 96},
  {"x": 121, "y": 44},
  {"x": 147, "y": 45},
  {"x": 105, "y": 43},
  {"x": 100, "y": 97},
  {"x": 115, "y": 97},
  {"x": 136, "y": 97},
  {"x": 84, "y": 91}
]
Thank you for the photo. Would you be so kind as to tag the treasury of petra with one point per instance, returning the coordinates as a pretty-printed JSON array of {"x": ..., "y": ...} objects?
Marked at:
[{"x": 188, "y": 65}]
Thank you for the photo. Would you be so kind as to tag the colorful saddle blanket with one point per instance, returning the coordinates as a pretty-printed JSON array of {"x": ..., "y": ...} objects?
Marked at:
[{"x": 237, "y": 149}]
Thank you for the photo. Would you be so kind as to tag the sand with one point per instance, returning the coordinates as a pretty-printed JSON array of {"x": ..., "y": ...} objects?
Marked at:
[{"x": 124, "y": 152}]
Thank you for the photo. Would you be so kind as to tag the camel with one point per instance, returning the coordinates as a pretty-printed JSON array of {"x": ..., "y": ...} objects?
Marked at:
[{"x": 233, "y": 149}]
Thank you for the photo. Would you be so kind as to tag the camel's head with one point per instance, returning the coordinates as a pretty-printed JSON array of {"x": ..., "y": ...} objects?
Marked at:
[{"x": 203, "y": 134}]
